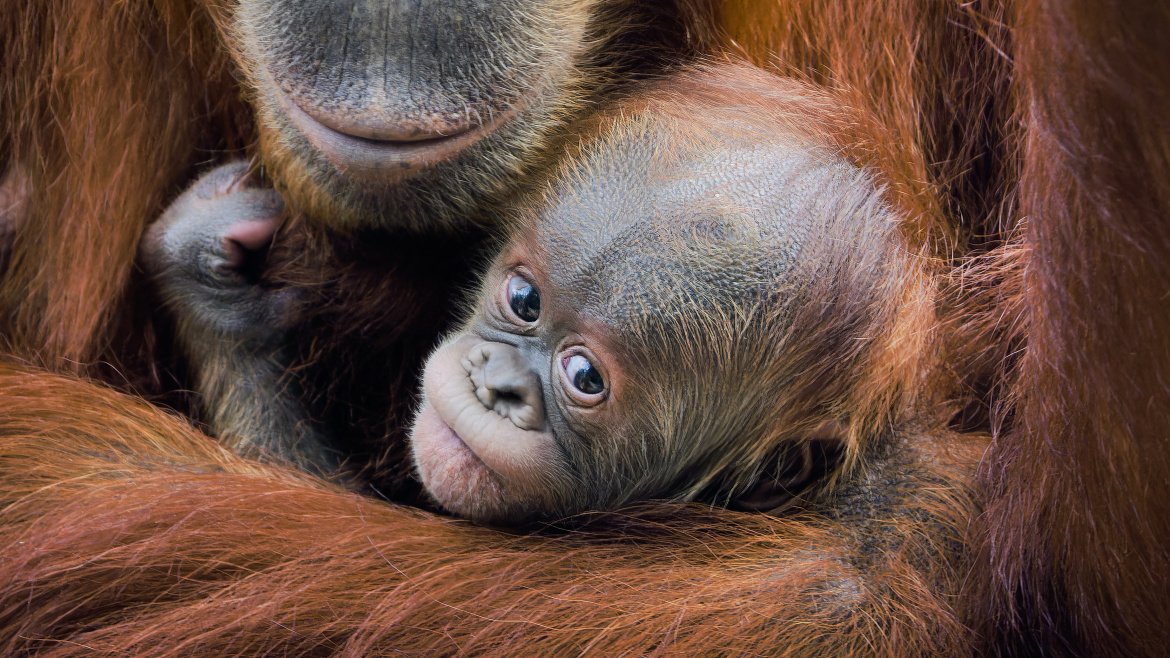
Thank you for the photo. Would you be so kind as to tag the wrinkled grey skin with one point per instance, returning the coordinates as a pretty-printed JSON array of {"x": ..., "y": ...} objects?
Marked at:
[
  {"x": 438, "y": 106},
  {"x": 368, "y": 61}
]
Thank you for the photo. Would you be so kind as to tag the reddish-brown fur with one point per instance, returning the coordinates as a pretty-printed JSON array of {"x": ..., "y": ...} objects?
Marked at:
[
  {"x": 125, "y": 530},
  {"x": 1073, "y": 546},
  {"x": 1070, "y": 556},
  {"x": 138, "y": 535},
  {"x": 106, "y": 107}
]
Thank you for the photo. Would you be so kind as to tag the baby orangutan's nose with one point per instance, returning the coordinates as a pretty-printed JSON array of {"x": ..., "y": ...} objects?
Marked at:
[{"x": 507, "y": 384}]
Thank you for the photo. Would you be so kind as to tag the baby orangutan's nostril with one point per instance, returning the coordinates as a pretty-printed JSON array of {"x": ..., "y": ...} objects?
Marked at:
[{"x": 506, "y": 383}]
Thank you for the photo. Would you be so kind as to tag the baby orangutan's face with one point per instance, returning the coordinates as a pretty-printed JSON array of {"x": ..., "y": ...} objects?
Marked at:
[{"x": 502, "y": 398}]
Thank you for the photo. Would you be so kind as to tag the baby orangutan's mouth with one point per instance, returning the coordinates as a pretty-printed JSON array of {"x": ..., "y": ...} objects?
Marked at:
[
  {"x": 505, "y": 448},
  {"x": 451, "y": 472},
  {"x": 440, "y": 436},
  {"x": 473, "y": 460}
]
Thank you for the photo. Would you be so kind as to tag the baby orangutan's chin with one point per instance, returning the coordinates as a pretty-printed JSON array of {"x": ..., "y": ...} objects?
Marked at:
[{"x": 452, "y": 473}]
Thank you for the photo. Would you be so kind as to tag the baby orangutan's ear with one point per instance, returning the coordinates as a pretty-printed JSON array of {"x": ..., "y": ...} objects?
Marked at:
[{"x": 798, "y": 468}]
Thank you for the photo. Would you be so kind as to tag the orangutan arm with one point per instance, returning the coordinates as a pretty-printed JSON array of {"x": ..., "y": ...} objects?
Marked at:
[
  {"x": 125, "y": 531},
  {"x": 231, "y": 330}
]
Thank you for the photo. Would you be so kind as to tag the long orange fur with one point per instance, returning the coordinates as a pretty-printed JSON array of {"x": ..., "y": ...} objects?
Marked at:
[
  {"x": 126, "y": 531},
  {"x": 139, "y": 535}
]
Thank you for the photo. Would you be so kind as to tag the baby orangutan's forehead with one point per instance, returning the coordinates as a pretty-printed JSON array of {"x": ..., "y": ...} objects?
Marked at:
[{"x": 642, "y": 225}]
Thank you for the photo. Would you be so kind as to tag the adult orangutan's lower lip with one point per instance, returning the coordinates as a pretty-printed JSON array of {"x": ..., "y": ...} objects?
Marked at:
[{"x": 376, "y": 162}]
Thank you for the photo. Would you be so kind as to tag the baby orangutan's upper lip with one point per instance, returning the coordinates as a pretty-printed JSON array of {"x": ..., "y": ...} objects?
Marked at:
[{"x": 380, "y": 155}]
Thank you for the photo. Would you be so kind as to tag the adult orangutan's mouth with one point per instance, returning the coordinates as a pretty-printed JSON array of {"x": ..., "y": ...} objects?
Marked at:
[{"x": 362, "y": 153}]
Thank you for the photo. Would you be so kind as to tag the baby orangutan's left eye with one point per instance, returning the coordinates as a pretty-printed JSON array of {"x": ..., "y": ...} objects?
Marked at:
[{"x": 583, "y": 375}]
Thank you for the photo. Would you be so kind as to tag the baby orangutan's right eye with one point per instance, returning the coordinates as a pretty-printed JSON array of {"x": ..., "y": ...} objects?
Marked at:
[{"x": 523, "y": 299}]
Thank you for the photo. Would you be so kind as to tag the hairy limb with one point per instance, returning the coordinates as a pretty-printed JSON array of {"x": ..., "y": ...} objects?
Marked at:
[
  {"x": 124, "y": 532},
  {"x": 1078, "y": 516},
  {"x": 232, "y": 330}
]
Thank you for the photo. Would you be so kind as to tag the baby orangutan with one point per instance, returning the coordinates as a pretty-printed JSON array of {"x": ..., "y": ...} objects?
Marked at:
[{"x": 707, "y": 302}]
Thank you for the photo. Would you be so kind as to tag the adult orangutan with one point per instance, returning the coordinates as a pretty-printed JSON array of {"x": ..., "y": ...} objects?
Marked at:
[
  {"x": 396, "y": 116},
  {"x": 1069, "y": 353}
]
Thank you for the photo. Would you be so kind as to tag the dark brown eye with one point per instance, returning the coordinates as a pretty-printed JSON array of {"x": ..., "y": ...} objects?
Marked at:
[
  {"x": 523, "y": 299},
  {"x": 583, "y": 375}
]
